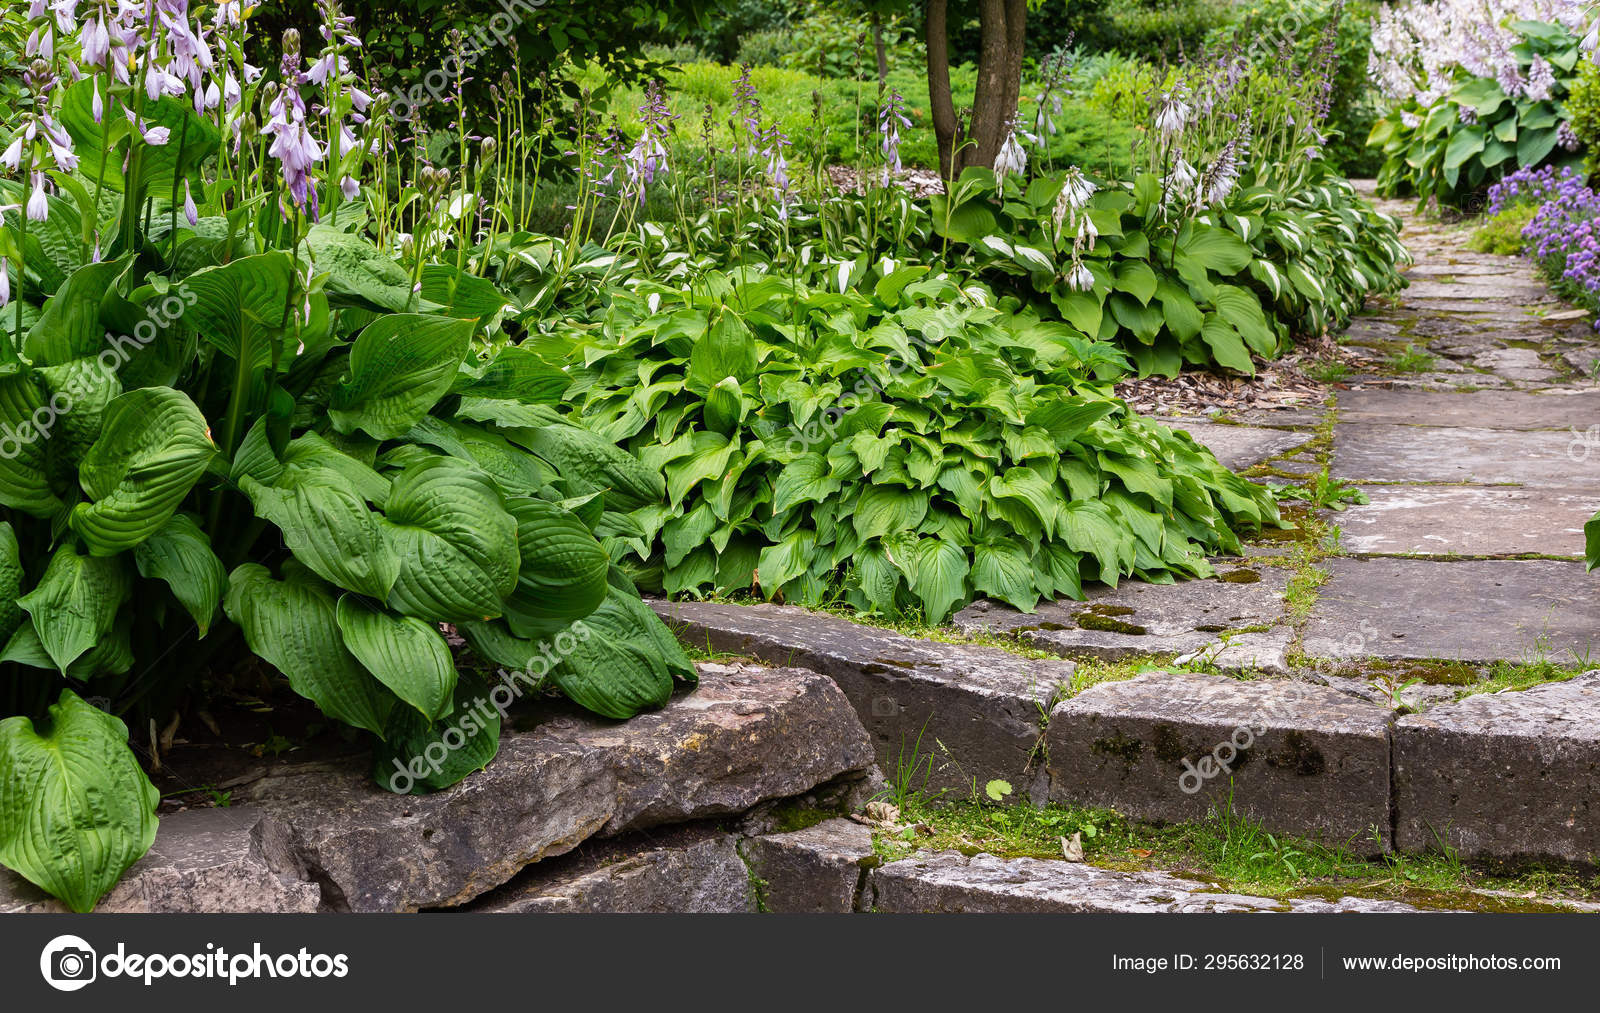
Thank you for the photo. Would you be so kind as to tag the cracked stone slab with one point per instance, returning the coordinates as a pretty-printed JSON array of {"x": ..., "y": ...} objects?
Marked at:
[
  {"x": 948, "y": 882},
  {"x": 1364, "y": 452},
  {"x": 1266, "y": 652},
  {"x": 748, "y": 734},
  {"x": 817, "y": 870},
  {"x": 1477, "y": 610},
  {"x": 204, "y": 861},
  {"x": 1508, "y": 775},
  {"x": 1481, "y": 409},
  {"x": 1169, "y": 747},
  {"x": 982, "y": 703},
  {"x": 1499, "y": 288},
  {"x": 1136, "y": 618},
  {"x": 1468, "y": 520},
  {"x": 1515, "y": 364},
  {"x": 680, "y": 870},
  {"x": 1238, "y": 447}
]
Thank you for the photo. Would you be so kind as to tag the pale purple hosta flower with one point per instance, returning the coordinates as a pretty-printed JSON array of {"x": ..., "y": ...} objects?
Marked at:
[
  {"x": 774, "y": 145},
  {"x": 38, "y": 204},
  {"x": 1467, "y": 115},
  {"x": 1011, "y": 157},
  {"x": 890, "y": 119},
  {"x": 349, "y": 187},
  {"x": 296, "y": 150},
  {"x": 190, "y": 213},
  {"x": 1180, "y": 181},
  {"x": 1172, "y": 116},
  {"x": 1541, "y": 80},
  {"x": 745, "y": 98},
  {"x": 1567, "y": 138},
  {"x": 12, "y": 158},
  {"x": 1223, "y": 173},
  {"x": 95, "y": 42}
]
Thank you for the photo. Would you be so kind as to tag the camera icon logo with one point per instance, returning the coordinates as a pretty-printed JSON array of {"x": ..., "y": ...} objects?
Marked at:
[
  {"x": 885, "y": 707},
  {"x": 68, "y": 963}
]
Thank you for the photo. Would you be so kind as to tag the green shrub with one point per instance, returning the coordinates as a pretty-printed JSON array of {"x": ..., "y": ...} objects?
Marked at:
[{"x": 1583, "y": 113}]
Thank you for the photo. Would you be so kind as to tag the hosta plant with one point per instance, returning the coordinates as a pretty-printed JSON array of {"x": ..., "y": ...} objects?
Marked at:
[
  {"x": 896, "y": 441},
  {"x": 1465, "y": 131}
]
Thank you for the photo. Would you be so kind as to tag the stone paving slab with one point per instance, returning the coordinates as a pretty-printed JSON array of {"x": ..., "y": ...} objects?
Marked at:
[
  {"x": 1521, "y": 290},
  {"x": 1238, "y": 447},
  {"x": 1470, "y": 610},
  {"x": 1170, "y": 747},
  {"x": 204, "y": 861},
  {"x": 1483, "y": 409},
  {"x": 1364, "y": 452},
  {"x": 818, "y": 870},
  {"x": 681, "y": 870},
  {"x": 1510, "y": 775},
  {"x": 1467, "y": 521},
  {"x": 948, "y": 882},
  {"x": 983, "y": 704},
  {"x": 1136, "y": 618},
  {"x": 1265, "y": 653}
]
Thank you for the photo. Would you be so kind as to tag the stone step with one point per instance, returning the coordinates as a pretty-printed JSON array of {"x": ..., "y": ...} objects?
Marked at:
[
  {"x": 973, "y": 713},
  {"x": 1504, "y": 775},
  {"x": 948, "y": 882},
  {"x": 1172, "y": 747},
  {"x": 747, "y": 735}
]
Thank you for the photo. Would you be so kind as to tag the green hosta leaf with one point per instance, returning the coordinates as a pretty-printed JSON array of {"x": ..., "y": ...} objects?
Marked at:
[
  {"x": 803, "y": 480},
  {"x": 293, "y": 625},
  {"x": 11, "y": 577},
  {"x": 180, "y": 554},
  {"x": 76, "y": 810},
  {"x": 399, "y": 368},
  {"x": 24, "y": 450},
  {"x": 83, "y": 389},
  {"x": 402, "y": 652},
  {"x": 939, "y": 577},
  {"x": 358, "y": 272},
  {"x": 1226, "y": 345},
  {"x": 563, "y": 569},
  {"x": 326, "y": 523},
  {"x": 417, "y": 756},
  {"x": 242, "y": 308},
  {"x": 727, "y": 349},
  {"x": 590, "y": 464},
  {"x": 1591, "y": 542},
  {"x": 1137, "y": 279},
  {"x": 619, "y": 660},
  {"x": 457, "y": 545},
  {"x": 724, "y": 408},
  {"x": 1005, "y": 572},
  {"x": 461, "y": 295},
  {"x": 515, "y": 373},
  {"x": 153, "y": 447},
  {"x": 888, "y": 509},
  {"x": 70, "y": 328},
  {"x": 707, "y": 461},
  {"x": 783, "y": 562},
  {"x": 76, "y": 602},
  {"x": 1214, "y": 248}
]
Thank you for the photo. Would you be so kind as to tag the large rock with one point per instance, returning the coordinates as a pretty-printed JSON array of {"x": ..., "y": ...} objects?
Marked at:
[
  {"x": 948, "y": 882},
  {"x": 747, "y": 735},
  {"x": 1167, "y": 748},
  {"x": 1235, "y": 446},
  {"x": 1508, "y": 775},
  {"x": 817, "y": 870},
  {"x": 981, "y": 705},
  {"x": 1136, "y": 618},
  {"x": 204, "y": 861},
  {"x": 681, "y": 870},
  {"x": 1478, "y": 610}
]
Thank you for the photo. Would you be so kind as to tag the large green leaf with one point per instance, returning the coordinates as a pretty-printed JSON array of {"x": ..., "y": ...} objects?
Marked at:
[
  {"x": 562, "y": 574},
  {"x": 180, "y": 554},
  {"x": 76, "y": 810},
  {"x": 358, "y": 272},
  {"x": 417, "y": 755},
  {"x": 591, "y": 464},
  {"x": 939, "y": 577},
  {"x": 70, "y": 328},
  {"x": 24, "y": 447},
  {"x": 76, "y": 602},
  {"x": 153, "y": 447},
  {"x": 402, "y": 652},
  {"x": 726, "y": 349},
  {"x": 242, "y": 307},
  {"x": 457, "y": 544},
  {"x": 11, "y": 577},
  {"x": 399, "y": 368},
  {"x": 293, "y": 625},
  {"x": 328, "y": 526},
  {"x": 614, "y": 663},
  {"x": 192, "y": 138}
]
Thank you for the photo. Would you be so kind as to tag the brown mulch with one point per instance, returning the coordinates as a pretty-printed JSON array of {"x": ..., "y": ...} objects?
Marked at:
[{"x": 1281, "y": 384}]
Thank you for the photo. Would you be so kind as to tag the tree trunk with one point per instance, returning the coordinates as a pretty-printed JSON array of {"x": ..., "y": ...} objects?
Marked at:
[
  {"x": 943, "y": 106},
  {"x": 994, "y": 103},
  {"x": 882, "y": 53}
]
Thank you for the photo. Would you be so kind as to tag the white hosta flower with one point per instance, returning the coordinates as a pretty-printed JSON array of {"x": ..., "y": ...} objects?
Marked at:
[
  {"x": 1181, "y": 179},
  {"x": 1172, "y": 116},
  {"x": 5, "y": 282},
  {"x": 1012, "y": 157},
  {"x": 1080, "y": 280},
  {"x": 38, "y": 206}
]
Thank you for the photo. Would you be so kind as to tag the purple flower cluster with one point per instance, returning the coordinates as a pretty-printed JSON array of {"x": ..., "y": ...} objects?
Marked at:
[{"x": 1564, "y": 233}]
